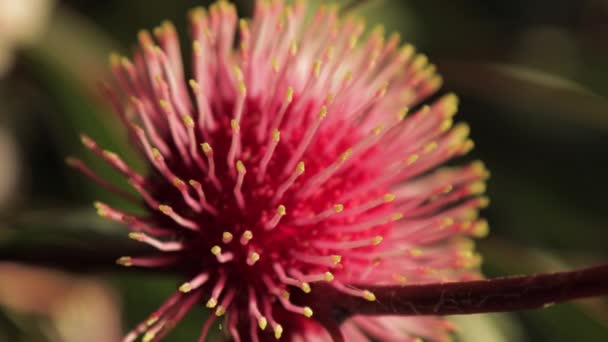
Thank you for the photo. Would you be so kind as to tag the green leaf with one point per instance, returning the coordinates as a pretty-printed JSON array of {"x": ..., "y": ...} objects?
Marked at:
[{"x": 529, "y": 90}]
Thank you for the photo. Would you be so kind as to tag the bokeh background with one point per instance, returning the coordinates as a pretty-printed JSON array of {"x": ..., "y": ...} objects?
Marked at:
[{"x": 533, "y": 80}]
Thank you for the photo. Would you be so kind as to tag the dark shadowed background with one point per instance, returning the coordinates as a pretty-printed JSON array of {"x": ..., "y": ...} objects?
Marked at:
[{"x": 533, "y": 80}]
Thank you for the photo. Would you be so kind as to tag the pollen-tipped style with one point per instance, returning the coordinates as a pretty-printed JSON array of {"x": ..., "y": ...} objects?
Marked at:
[{"x": 304, "y": 155}]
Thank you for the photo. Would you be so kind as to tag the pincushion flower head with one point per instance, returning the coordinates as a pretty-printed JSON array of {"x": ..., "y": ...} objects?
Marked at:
[{"x": 303, "y": 156}]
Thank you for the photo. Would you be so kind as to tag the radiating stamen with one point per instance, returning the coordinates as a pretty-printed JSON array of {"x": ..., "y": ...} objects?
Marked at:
[
  {"x": 217, "y": 291},
  {"x": 150, "y": 127},
  {"x": 222, "y": 258},
  {"x": 238, "y": 194},
  {"x": 144, "y": 194},
  {"x": 208, "y": 151},
  {"x": 278, "y": 119},
  {"x": 170, "y": 246},
  {"x": 274, "y": 221},
  {"x": 201, "y": 197},
  {"x": 288, "y": 183},
  {"x": 305, "y": 287},
  {"x": 283, "y": 297},
  {"x": 227, "y": 237},
  {"x": 246, "y": 237},
  {"x": 306, "y": 140},
  {"x": 277, "y": 328},
  {"x": 183, "y": 189},
  {"x": 270, "y": 147},
  {"x": 184, "y": 222},
  {"x": 255, "y": 311},
  {"x": 226, "y": 301},
  {"x": 147, "y": 261},
  {"x": 189, "y": 123},
  {"x": 234, "y": 151},
  {"x": 195, "y": 283},
  {"x": 365, "y": 294},
  {"x": 321, "y": 260},
  {"x": 80, "y": 166},
  {"x": 252, "y": 258},
  {"x": 335, "y": 209},
  {"x": 205, "y": 117},
  {"x": 335, "y": 245},
  {"x": 311, "y": 278}
]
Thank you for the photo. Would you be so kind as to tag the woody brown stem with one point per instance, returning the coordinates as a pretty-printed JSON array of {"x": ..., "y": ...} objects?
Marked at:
[{"x": 469, "y": 297}]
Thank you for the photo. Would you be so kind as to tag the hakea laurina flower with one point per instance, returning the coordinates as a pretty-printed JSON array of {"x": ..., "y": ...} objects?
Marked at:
[{"x": 289, "y": 161}]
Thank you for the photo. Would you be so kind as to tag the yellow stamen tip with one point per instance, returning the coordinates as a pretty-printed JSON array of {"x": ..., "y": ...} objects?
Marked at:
[
  {"x": 336, "y": 259},
  {"x": 151, "y": 321},
  {"x": 323, "y": 112},
  {"x": 216, "y": 250},
  {"x": 481, "y": 229},
  {"x": 248, "y": 235},
  {"x": 238, "y": 73},
  {"x": 262, "y": 323},
  {"x": 420, "y": 61},
  {"x": 278, "y": 331},
  {"x": 281, "y": 210},
  {"x": 114, "y": 59},
  {"x": 193, "y": 84},
  {"x": 211, "y": 303},
  {"x": 156, "y": 154},
  {"x": 300, "y": 168},
  {"x": 227, "y": 237},
  {"x": 188, "y": 121},
  {"x": 389, "y": 198},
  {"x": 377, "y": 240},
  {"x": 240, "y": 167},
  {"x": 346, "y": 154},
  {"x": 178, "y": 182},
  {"x": 125, "y": 261},
  {"x": 411, "y": 159},
  {"x": 136, "y": 236},
  {"x": 289, "y": 94},
  {"x": 149, "y": 336},
  {"x": 402, "y": 113},
  {"x": 416, "y": 252},
  {"x": 206, "y": 148},
  {"x": 446, "y": 222},
  {"x": 369, "y": 296},
  {"x": 400, "y": 278},
  {"x": 220, "y": 311},
  {"x": 430, "y": 147},
  {"x": 234, "y": 125},
  {"x": 242, "y": 88},
  {"x": 338, "y": 208},
  {"x": 165, "y": 209},
  {"x": 253, "y": 258},
  {"x": 306, "y": 288},
  {"x": 276, "y": 135},
  {"x": 308, "y": 312},
  {"x": 164, "y": 104},
  {"x": 185, "y": 288},
  {"x": 316, "y": 68},
  {"x": 477, "y": 187}
]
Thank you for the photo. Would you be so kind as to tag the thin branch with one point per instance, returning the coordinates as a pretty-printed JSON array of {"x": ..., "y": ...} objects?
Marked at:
[{"x": 470, "y": 297}]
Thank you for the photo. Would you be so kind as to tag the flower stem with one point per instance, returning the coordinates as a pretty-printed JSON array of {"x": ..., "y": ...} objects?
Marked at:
[{"x": 470, "y": 297}]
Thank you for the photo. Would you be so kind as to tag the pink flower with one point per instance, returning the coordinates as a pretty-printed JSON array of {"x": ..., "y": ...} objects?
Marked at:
[{"x": 291, "y": 161}]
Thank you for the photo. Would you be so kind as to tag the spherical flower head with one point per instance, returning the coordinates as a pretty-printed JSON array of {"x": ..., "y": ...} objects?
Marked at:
[{"x": 291, "y": 161}]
